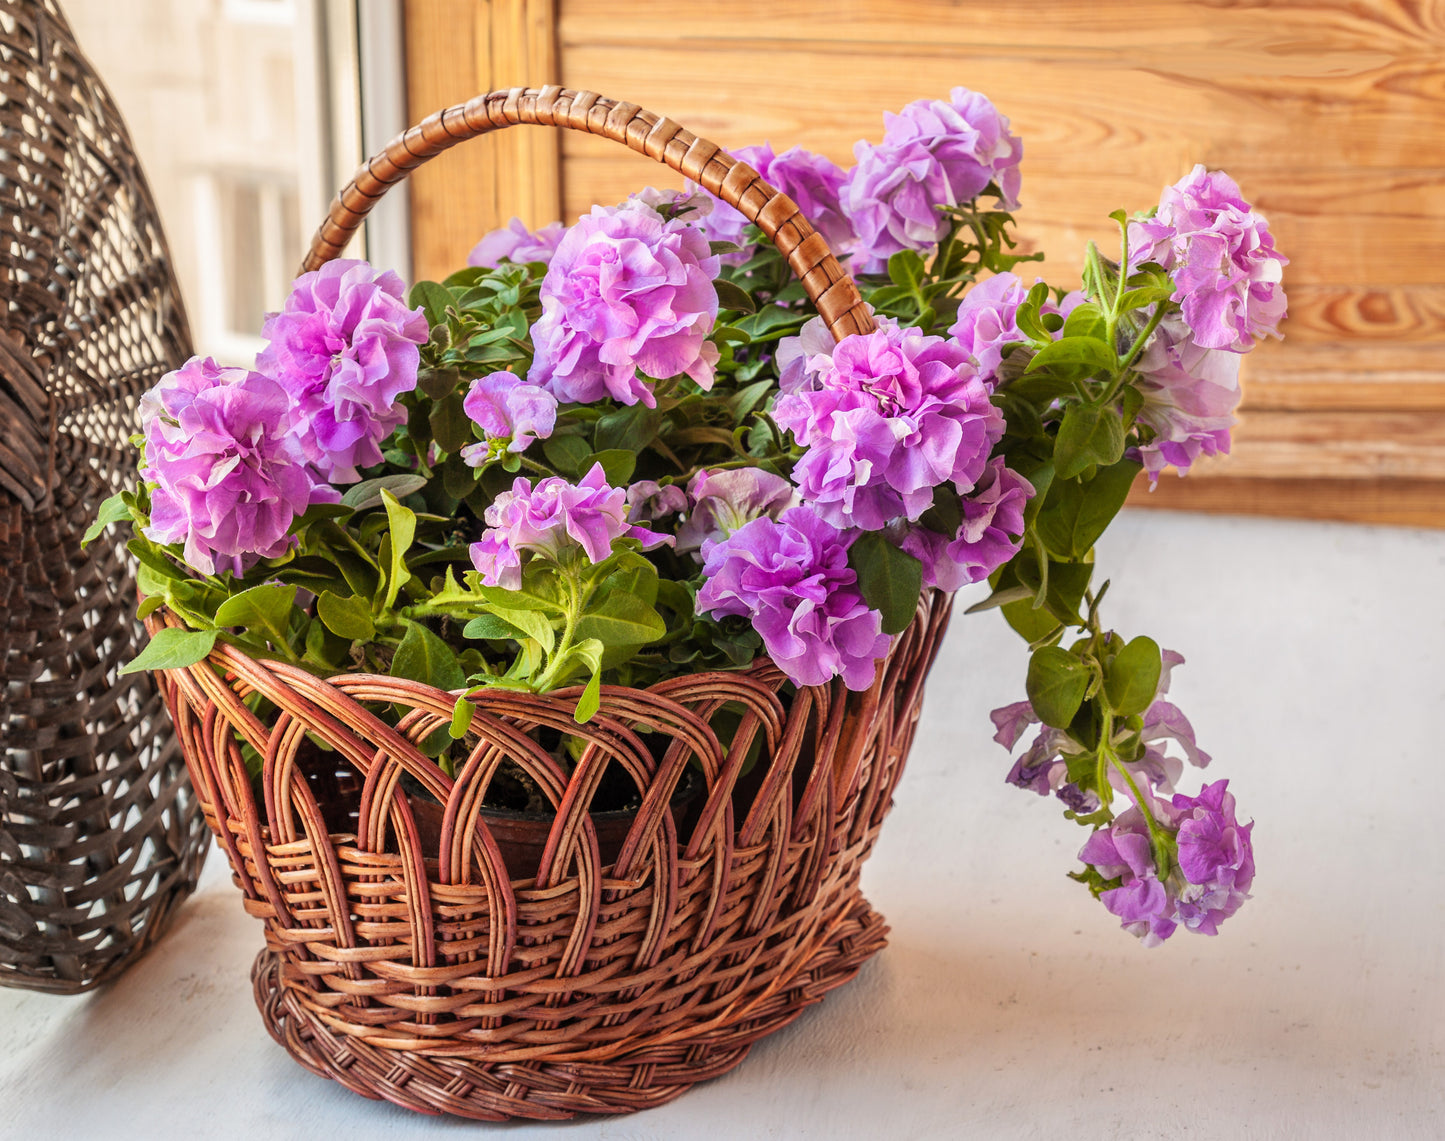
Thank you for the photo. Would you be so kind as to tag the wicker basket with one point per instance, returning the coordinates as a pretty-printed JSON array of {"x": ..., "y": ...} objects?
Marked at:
[
  {"x": 100, "y": 834},
  {"x": 434, "y": 978}
]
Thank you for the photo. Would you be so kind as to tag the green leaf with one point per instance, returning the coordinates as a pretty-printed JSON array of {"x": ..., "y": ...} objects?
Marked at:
[
  {"x": 424, "y": 657},
  {"x": 1076, "y": 513},
  {"x": 486, "y": 627},
  {"x": 590, "y": 701},
  {"x": 1090, "y": 434},
  {"x": 450, "y": 425},
  {"x": 438, "y": 383},
  {"x": 1067, "y": 583},
  {"x": 566, "y": 453},
  {"x": 1029, "y": 622},
  {"x": 617, "y": 465},
  {"x": 906, "y": 269},
  {"x": 402, "y": 524},
  {"x": 264, "y": 610},
  {"x": 1148, "y": 295},
  {"x": 627, "y": 429},
  {"x": 1132, "y": 679},
  {"x": 1086, "y": 320},
  {"x": 734, "y": 297},
  {"x": 434, "y": 299},
  {"x": 367, "y": 493},
  {"x": 532, "y": 623},
  {"x": 1057, "y": 682},
  {"x": 890, "y": 579},
  {"x": 346, "y": 615},
  {"x": 462, "y": 713},
  {"x": 532, "y": 596},
  {"x": 113, "y": 510},
  {"x": 747, "y": 398},
  {"x": 149, "y": 555},
  {"x": 1075, "y": 357},
  {"x": 172, "y": 649},
  {"x": 622, "y": 620}
]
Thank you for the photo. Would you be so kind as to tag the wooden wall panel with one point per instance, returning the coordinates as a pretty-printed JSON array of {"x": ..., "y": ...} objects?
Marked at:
[
  {"x": 456, "y": 49},
  {"x": 1330, "y": 113}
]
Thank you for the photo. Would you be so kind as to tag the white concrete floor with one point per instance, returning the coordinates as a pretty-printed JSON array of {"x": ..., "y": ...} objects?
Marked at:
[{"x": 1008, "y": 1005}]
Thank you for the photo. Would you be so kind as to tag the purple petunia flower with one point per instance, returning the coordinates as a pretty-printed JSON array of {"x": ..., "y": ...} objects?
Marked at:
[
  {"x": 896, "y": 414},
  {"x": 511, "y": 414},
  {"x": 1221, "y": 257},
  {"x": 791, "y": 577},
  {"x": 802, "y": 360},
  {"x": 230, "y": 478},
  {"x": 1216, "y": 856},
  {"x": 517, "y": 244},
  {"x": 990, "y": 534},
  {"x": 810, "y": 180},
  {"x": 1145, "y": 904},
  {"x": 552, "y": 519},
  {"x": 648, "y": 501},
  {"x": 626, "y": 291},
  {"x": 933, "y": 153},
  {"x": 1190, "y": 394},
  {"x": 723, "y": 501},
  {"x": 344, "y": 347}
]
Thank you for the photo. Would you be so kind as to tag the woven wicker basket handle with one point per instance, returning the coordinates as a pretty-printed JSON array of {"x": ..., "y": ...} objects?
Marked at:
[{"x": 707, "y": 164}]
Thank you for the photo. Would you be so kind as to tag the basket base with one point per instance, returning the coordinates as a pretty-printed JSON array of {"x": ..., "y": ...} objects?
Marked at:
[{"x": 642, "y": 1077}]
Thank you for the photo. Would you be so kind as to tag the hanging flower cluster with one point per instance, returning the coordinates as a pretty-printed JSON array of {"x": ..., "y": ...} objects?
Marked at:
[{"x": 626, "y": 449}]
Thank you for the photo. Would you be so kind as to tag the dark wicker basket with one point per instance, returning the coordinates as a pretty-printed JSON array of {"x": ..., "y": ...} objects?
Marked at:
[
  {"x": 429, "y": 972},
  {"x": 100, "y": 833}
]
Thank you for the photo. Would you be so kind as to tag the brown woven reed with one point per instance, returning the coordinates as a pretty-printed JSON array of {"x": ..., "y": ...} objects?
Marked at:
[
  {"x": 437, "y": 978},
  {"x": 100, "y": 835}
]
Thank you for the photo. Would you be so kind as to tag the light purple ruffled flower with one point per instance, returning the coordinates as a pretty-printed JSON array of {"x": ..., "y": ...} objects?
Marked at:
[
  {"x": 1145, "y": 904},
  {"x": 933, "y": 153},
  {"x": 810, "y": 180},
  {"x": 511, "y": 414},
  {"x": 648, "y": 501},
  {"x": 230, "y": 479},
  {"x": 1190, "y": 394},
  {"x": 802, "y": 360},
  {"x": 897, "y": 413},
  {"x": 626, "y": 291},
  {"x": 791, "y": 577},
  {"x": 344, "y": 347},
  {"x": 1221, "y": 257},
  {"x": 988, "y": 320},
  {"x": 1216, "y": 856},
  {"x": 990, "y": 533},
  {"x": 551, "y": 519},
  {"x": 517, "y": 244},
  {"x": 723, "y": 501}
]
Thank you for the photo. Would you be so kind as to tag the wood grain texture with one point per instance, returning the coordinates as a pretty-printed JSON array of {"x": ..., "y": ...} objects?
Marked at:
[
  {"x": 1397, "y": 502},
  {"x": 455, "y": 49}
]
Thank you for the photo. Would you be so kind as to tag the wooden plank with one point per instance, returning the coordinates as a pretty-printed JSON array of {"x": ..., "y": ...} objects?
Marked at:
[
  {"x": 1411, "y": 503},
  {"x": 1335, "y": 445},
  {"x": 455, "y": 50}
]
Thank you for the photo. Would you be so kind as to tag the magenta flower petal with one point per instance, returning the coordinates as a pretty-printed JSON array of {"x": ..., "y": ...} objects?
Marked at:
[
  {"x": 230, "y": 477},
  {"x": 344, "y": 347},
  {"x": 791, "y": 577},
  {"x": 517, "y": 244}
]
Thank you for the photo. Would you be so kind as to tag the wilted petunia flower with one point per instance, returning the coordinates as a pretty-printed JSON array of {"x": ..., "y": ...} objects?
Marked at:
[
  {"x": 1190, "y": 394},
  {"x": 1145, "y": 904},
  {"x": 626, "y": 291},
  {"x": 344, "y": 347},
  {"x": 230, "y": 479},
  {"x": 648, "y": 501},
  {"x": 934, "y": 153},
  {"x": 791, "y": 577},
  {"x": 722, "y": 501}
]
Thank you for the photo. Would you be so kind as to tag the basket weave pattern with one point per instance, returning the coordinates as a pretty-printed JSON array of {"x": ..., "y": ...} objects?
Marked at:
[
  {"x": 429, "y": 977},
  {"x": 100, "y": 836},
  {"x": 436, "y": 977}
]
